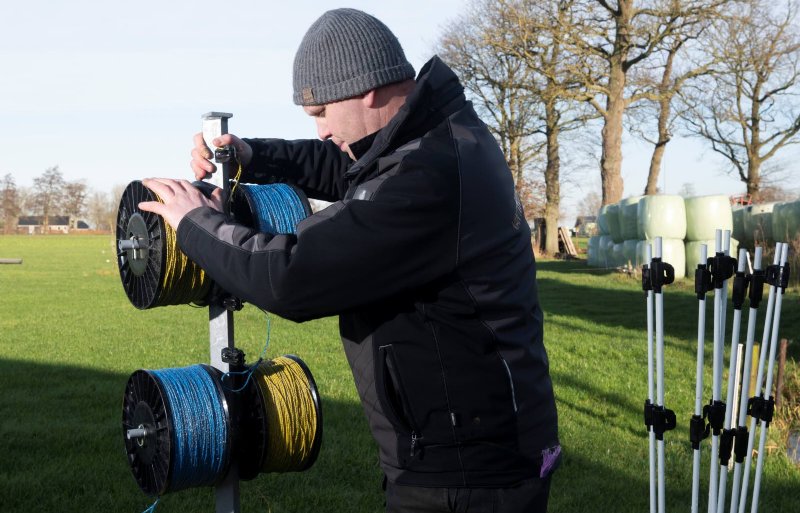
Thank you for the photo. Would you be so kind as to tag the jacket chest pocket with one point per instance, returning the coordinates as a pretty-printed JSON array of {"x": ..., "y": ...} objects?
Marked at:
[{"x": 392, "y": 394}]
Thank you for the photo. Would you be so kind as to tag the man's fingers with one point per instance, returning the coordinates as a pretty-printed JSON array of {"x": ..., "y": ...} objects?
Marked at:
[{"x": 152, "y": 206}]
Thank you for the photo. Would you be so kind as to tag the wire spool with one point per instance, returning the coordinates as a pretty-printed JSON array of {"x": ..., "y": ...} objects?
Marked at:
[
  {"x": 176, "y": 425},
  {"x": 273, "y": 208},
  {"x": 154, "y": 272},
  {"x": 287, "y": 404}
]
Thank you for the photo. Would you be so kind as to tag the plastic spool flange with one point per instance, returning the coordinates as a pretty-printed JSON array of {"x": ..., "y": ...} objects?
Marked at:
[
  {"x": 145, "y": 406},
  {"x": 246, "y": 212},
  {"x": 141, "y": 247},
  {"x": 317, "y": 443}
]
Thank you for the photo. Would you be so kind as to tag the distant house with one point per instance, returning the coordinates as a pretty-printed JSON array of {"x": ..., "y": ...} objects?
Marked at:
[
  {"x": 585, "y": 226},
  {"x": 57, "y": 224}
]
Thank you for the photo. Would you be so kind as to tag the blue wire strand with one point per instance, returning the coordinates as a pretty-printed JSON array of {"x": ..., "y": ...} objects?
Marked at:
[
  {"x": 252, "y": 368},
  {"x": 277, "y": 207},
  {"x": 200, "y": 430}
]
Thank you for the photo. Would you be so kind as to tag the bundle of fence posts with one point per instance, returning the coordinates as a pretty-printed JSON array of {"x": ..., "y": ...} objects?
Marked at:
[{"x": 723, "y": 420}]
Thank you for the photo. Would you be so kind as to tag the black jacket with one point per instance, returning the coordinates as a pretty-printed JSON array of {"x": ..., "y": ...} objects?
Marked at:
[{"x": 426, "y": 256}]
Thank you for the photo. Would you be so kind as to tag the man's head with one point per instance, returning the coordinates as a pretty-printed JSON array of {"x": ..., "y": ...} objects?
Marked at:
[{"x": 351, "y": 75}]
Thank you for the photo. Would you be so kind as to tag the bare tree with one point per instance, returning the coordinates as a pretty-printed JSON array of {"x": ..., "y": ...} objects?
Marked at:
[
  {"x": 611, "y": 37},
  {"x": 11, "y": 206},
  {"x": 48, "y": 193},
  {"x": 74, "y": 200},
  {"x": 749, "y": 110}
]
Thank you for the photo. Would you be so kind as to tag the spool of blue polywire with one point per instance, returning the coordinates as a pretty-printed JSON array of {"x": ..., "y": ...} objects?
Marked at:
[
  {"x": 273, "y": 208},
  {"x": 177, "y": 428}
]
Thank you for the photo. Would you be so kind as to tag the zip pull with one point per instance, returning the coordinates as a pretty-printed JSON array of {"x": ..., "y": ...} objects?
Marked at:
[{"x": 413, "y": 443}]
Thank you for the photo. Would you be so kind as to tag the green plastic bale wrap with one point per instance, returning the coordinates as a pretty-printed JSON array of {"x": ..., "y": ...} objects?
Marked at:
[
  {"x": 673, "y": 252},
  {"x": 707, "y": 214},
  {"x": 628, "y": 212},
  {"x": 661, "y": 216},
  {"x": 604, "y": 249},
  {"x": 612, "y": 218},
  {"x": 693, "y": 252},
  {"x": 786, "y": 221},
  {"x": 758, "y": 224},
  {"x": 618, "y": 255},
  {"x": 738, "y": 213},
  {"x": 593, "y": 251},
  {"x": 602, "y": 220},
  {"x": 629, "y": 252}
]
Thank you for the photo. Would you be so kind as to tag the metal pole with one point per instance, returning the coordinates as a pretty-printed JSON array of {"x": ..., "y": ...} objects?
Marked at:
[
  {"x": 776, "y": 319},
  {"x": 698, "y": 391},
  {"x": 220, "y": 318},
  {"x": 758, "y": 384},
  {"x": 738, "y": 299},
  {"x": 748, "y": 363}
]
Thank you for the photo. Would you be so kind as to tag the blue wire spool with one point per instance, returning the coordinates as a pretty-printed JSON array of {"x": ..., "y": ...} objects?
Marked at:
[
  {"x": 177, "y": 428},
  {"x": 273, "y": 208}
]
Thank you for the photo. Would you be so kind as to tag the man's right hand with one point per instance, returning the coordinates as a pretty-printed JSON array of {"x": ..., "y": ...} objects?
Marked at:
[{"x": 202, "y": 166}]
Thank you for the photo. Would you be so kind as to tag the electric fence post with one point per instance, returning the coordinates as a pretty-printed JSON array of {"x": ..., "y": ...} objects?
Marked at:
[
  {"x": 224, "y": 355},
  {"x": 698, "y": 429},
  {"x": 755, "y": 295},
  {"x": 756, "y": 399},
  {"x": 650, "y": 402},
  {"x": 657, "y": 417},
  {"x": 722, "y": 267},
  {"x": 727, "y": 437},
  {"x": 779, "y": 277}
]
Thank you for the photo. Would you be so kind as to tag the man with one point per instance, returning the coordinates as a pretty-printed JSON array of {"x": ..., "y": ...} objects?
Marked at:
[{"x": 425, "y": 255}]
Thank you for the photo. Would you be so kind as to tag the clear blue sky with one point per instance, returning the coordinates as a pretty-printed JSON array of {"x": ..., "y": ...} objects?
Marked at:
[{"x": 113, "y": 91}]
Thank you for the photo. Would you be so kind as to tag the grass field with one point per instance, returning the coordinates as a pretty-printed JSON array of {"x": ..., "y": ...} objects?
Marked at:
[{"x": 69, "y": 340}]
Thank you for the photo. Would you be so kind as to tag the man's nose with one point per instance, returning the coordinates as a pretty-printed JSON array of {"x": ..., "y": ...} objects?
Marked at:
[{"x": 322, "y": 130}]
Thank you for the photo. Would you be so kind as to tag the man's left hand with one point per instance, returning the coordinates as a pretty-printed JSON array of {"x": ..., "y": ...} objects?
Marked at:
[{"x": 179, "y": 198}]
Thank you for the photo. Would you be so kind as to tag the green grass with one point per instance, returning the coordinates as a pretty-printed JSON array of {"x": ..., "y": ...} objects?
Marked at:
[{"x": 69, "y": 340}]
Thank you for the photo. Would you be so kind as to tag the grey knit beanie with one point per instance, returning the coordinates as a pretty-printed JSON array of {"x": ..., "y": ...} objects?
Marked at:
[{"x": 346, "y": 52}]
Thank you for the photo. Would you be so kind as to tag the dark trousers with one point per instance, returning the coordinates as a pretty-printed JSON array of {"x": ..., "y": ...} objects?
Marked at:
[{"x": 528, "y": 497}]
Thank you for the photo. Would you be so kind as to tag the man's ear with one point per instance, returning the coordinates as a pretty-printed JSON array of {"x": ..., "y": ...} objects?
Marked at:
[{"x": 370, "y": 99}]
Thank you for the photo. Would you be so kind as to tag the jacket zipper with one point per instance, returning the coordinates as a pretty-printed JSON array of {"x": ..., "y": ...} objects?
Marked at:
[{"x": 510, "y": 382}]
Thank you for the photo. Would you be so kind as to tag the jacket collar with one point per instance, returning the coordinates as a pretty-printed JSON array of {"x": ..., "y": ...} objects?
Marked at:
[{"x": 438, "y": 94}]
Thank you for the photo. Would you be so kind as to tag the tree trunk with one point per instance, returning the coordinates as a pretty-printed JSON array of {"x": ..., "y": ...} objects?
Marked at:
[
  {"x": 552, "y": 185},
  {"x": 611, "y": 158},
  {"x": 664, "y": 113}
]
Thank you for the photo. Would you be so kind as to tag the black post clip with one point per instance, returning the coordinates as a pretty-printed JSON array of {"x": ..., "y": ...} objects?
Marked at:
[
  {"x": 761, "y": 409},
  {"x": 722, "y": 267},
  {"x": 661, "y": 273},
  {"x": 715, "y": 412},
  {"x": 778, "y": 276},
  {"x": 740, "y": 444},
  {"x": 726, "y": 446},
  {"x": 757, "y": 287},
  {"x": 740, "y": 282},
  {"x": 698, "y": 430}
]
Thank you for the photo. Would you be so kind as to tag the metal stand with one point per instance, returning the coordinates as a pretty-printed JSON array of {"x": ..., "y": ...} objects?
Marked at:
[{"x": 220, "y": 310}]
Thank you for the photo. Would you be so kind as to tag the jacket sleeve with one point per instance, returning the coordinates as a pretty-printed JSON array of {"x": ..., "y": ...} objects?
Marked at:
[
  {"x": 315, "y": 166},
  {"x": 352, "y": 254}
]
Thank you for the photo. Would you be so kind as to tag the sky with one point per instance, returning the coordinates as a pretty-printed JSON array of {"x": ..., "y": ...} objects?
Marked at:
[{"x": 112, "y": 92}]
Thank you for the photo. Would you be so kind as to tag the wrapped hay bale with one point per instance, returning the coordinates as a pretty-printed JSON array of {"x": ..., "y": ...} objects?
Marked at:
[
  {"x": 605, "y": 247},
  {"x": 757, "y": 222},
  {"x": 738, "y": 232},
  {"x": 628, "y": 225},
  {"x": 614, "y": 228},
  {"x": 693, "y": 252},
  {"x": 707, "y": 214},
  {"x": 602, "y": 220},
  {"x": 673, "y": 252},
  {"x": 629, "y": 253},
  {"x": 661, "y": 216},
  {"x": 592, "y": 251},
  {"x": 786, "y": 221},
  {"x": 618, "y": 255}
]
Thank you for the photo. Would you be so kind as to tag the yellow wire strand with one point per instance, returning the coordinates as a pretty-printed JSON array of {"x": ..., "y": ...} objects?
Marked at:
[{"x": 291, "y": 414}]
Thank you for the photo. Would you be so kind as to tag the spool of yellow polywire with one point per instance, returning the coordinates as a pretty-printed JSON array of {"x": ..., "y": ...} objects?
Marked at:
[
  {"x": 293, "y": 414},
  {"x": 153, "y": 270}
]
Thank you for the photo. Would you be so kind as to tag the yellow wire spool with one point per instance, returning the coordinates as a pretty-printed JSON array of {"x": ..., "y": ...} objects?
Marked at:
[
  {"x": 292, "y": 409},
  {"x": 153, "y": 270}
]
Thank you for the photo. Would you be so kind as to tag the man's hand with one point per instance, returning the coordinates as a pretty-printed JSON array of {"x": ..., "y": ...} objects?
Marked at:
[
  {"x": 179, "y": 198},
  {"x": 202, "y": 155}
]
